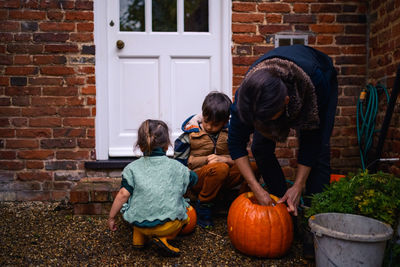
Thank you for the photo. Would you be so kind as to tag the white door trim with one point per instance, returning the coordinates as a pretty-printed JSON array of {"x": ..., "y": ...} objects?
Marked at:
[{"x": 100, "y": 39}]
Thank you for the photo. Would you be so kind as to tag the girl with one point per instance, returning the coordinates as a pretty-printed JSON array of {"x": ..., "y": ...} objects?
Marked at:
[{"x": 152, "y": 189}]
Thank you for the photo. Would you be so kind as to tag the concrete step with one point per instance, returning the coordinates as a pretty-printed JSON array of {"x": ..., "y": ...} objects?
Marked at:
[{"x": 94, "y": 195}]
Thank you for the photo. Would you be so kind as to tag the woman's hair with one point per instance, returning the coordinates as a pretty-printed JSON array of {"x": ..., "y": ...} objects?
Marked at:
[
  {"x": 216, "y": 107},
  {"x": 261, "y": 96},
  {"x": 152, "y": 134}
]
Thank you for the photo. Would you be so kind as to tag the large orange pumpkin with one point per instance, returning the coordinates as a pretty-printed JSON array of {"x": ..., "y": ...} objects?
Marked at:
[
  {"x": 263, "y": 231},
  {"x": 189, "y": 227}
]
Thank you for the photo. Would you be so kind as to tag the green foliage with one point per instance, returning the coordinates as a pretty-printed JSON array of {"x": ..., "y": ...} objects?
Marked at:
[{"x": 372, "y": 195}]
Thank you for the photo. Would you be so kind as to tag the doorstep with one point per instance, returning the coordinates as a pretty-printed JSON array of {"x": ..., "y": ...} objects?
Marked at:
[{"x": 94, "y": 195}]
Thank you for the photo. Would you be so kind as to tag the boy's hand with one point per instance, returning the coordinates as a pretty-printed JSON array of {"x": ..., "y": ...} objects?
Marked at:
[
  {"x": 111, "y": 224},
  {"x": 215, "y": 158},
  {"x": 220, "y": 158}
]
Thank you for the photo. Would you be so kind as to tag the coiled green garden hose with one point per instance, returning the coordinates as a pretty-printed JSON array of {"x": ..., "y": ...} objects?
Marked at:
[{"x": 367, "y": 110}]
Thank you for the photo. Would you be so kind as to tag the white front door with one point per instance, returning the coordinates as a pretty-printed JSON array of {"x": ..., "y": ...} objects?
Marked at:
[{"x": 164, "y": 56}]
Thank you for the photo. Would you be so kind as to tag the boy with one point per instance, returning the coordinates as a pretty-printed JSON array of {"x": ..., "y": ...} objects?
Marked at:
[{"x": 203, "y": 147}]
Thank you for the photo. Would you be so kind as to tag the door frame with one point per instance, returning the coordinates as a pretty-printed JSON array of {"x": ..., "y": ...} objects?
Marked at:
[{"x": 100, "y": 40}]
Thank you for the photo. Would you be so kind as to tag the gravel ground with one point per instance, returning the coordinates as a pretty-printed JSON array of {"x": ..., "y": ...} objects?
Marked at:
[{"x": 48, "y": 234}]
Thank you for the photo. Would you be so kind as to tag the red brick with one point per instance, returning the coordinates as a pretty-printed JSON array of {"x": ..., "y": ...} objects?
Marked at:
[
  {"x": 268, "y": 29},
  {"x": 237, "y": 17},
  {"x": 57, "y": 143},
  {"x": 36, "y": 112},
  {"x": 55, "y": 15},
  {"x": 89, "y": 90},
  {"x": 247, "y": 61},
  {"x": 60, "y": 91},
  {"x": 6, "y": 37},
  {"x": 11, "y": 165},
  {"x": 274, "y": 7},
  {"x": 84, "y": 5},
  {"x": 86, "y": 143},
  {"x": 74, "y": 112},
  {"x": 296, "y": 18},
  {"x": 74, "y": 101},
  {"x": 324, "y": 39},
  {"x": 45, "y": 81},
  {"x": 22, "y": 60},
  {"x": 22, "y": 143},
  {"x": 57, "y": 70},
  {"x": 21, "y": 70},
  {"x": 7, "y": 133},
  {"x": 85, "y": 27},
  {"x": 325, "y": 18},
  {"x": 86, "y": 70},
  {"x": 6, "y": 154},
  {"x": 327, "y": 28},
  {"x": 23, "y": 37},
  {"x": 35, "y": 176},
  {"x": 50, "y": 37},
  {"x": 25, "y": 48},
  {"x": 45, "y": 122},
  {"x": 74, "y": 122},
  {"x": 22, "y": 91},
  {"x": 91, "y": 80},
  {"x": 6, "y": 59},
  {"x": 69, "y": 132},
  {"x": 30, "y": 164},
  {"x": 19, "y": 122},
  {"x": 33, "y": 196},
  {"x": 61, "y": 48},
  {"x": 244, "y": 28},
  {"x": 274, "y": 18},
  {"x": 59, "y": 195},
  {"x": 81, "y": 37},
  {"x": 300, "y": 8},
  {"x": 9, "y": 26},
  {"x": 8, "y": 111},
  {"x": 33, "y": 133},
  {"x": 78, "y": 196},
  {"x": 75, "y": 80},
  {"x": 57, "y": 26},
  {"x": 79, "y": 15},
  {"x": 72, "y": 155},
  {"x": 326, "y": 8},
  {"x": 243, "y": 7},
  {"x": 27, "y": 15},
  {"x": 36, "y": 154}
]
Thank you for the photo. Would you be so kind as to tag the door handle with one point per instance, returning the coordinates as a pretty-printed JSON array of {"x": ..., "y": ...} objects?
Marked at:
[{"x": 120, "y": 44}]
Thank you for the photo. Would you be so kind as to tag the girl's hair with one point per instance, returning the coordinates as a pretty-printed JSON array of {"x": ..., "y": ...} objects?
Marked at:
[
  {"x": 261, "y": 95},
  {"x": 216, "y": 107},
  {"x": 152, "y": 134}
]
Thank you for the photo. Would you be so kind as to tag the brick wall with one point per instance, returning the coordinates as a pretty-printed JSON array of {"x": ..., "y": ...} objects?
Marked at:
[
  {"x": 47, "y": 97},
  {"x": 384, "y": 59},
  {"x": 337, "y": 28}
]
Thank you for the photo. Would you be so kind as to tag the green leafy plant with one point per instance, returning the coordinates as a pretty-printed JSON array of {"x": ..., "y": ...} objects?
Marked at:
[{"x": 372, "y": 195}]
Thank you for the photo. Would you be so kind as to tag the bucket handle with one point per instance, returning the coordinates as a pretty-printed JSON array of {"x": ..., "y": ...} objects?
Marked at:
[{"x": 318, "y": 234}]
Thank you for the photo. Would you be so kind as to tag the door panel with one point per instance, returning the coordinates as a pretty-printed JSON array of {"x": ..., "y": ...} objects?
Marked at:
[{"x": 162, "y": 72}]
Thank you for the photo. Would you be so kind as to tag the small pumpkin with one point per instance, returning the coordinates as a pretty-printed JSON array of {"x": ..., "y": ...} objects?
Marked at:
[
  {"x": 189, "y": 227},
  {"x": 263, "y": 231}
]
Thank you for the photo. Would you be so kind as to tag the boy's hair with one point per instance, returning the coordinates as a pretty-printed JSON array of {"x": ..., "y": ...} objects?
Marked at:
[
  {"x": 216, "y": 107},
  {"x": 261, "y": 95},
  {"x": 152, "y": 134}
]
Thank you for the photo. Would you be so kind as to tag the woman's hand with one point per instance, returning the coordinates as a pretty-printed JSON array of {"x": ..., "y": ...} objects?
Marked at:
[
  {"x": 292, "y": 198},
  {"x": 111, "y": 224},
  {"x": 262, "y": 196}
]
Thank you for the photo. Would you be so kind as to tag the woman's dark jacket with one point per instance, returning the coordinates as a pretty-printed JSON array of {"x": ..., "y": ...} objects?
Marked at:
[{"x": 319, "y": 68}]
